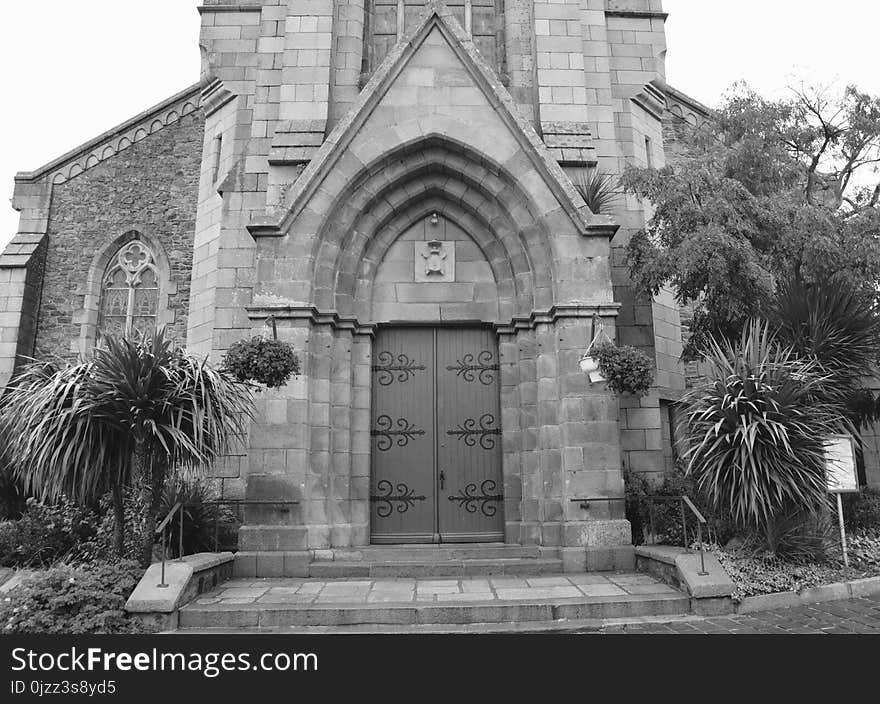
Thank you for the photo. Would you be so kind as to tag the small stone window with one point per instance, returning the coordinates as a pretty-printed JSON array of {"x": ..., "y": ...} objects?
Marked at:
[
  {"x": 389, "y": 20},
  {"x": 130, "y": 292}
]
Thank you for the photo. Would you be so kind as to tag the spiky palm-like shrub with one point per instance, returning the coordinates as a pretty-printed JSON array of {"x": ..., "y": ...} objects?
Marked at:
[
  {"x": 598, "y": 189},
  {"x": 754, "y": 431},
  {"x": 140, "y": 405}
]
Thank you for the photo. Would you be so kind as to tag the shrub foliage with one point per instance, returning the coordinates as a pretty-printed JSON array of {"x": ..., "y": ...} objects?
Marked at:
[
  {"x": 626, "y": 369},
  {"x": 65, "y": 599},
  {"x": 48, "y": 533},
  {"x": 754, "y": 430},
  {"x": 269, "y": 362}
]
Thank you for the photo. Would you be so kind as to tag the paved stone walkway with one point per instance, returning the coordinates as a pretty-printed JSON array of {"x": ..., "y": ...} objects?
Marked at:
[
  {"x": 846, "y": 616},
  {"x": 436, "y": 590}
]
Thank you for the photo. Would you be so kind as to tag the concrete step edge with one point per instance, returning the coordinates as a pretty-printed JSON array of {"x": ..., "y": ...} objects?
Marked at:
[
  {"x": 558, "y": 626},
  {"x": 282, "y": 615}
]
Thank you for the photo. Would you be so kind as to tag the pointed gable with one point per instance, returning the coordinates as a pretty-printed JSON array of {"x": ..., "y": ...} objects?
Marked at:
[{"x": 432, "y": 83}]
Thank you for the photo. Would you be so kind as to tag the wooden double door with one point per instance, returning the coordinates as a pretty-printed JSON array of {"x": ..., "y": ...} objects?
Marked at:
[{"x": 436, "y": 436}]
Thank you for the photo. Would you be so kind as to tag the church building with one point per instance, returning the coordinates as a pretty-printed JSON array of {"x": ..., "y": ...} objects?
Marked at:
[{"x": 391, "y": 184}]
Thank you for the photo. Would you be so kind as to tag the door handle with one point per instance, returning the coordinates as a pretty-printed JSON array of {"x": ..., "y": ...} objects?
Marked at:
[{"x": 442, "y": 480}]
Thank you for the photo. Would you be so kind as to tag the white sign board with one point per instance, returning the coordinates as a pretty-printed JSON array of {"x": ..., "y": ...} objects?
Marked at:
[{"x": 840, "y": 464}]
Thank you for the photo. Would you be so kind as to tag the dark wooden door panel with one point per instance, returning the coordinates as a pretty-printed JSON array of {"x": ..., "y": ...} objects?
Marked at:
[
  {"x": 436, "y": 436},
  {"x": 403, "y": 497},
  {"x": 470, "y": 499}
]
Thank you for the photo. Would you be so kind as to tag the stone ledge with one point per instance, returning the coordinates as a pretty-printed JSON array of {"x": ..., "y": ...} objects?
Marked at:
[
  {"x": 854, "y": 589},
  {"x": 149, "y": 597},
  {"x": 682, "y": 568},
  {"x": 186, "y": 579}
]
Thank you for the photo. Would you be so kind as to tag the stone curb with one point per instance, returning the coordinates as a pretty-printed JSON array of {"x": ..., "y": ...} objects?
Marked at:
[{"x": 811, "y": 595}]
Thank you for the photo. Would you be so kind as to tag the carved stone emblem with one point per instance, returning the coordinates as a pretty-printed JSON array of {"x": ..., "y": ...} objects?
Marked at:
[
  {"x": 434, "y": 261},
  {"x": 435, "y": 258}
]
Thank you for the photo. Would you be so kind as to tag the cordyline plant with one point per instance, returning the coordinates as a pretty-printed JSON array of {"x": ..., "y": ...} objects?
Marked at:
[
  {"x": 86, "y": 428},
  {"x": 753, "y": 432}
]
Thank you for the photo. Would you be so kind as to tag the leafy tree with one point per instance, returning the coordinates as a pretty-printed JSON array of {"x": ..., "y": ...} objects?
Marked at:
[
  {"x": 765, "y": 190},
  {"x": 837, "y": 325},
  {"x": 135, "y": 405}
]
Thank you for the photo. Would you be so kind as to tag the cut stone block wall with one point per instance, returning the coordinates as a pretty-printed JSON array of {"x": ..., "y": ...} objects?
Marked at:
[{"x": 150, "y": 188}]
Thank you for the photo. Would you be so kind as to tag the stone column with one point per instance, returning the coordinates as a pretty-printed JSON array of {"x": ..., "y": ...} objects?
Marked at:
[
  {"x": 21, "y": 276},
  {"x": 306, "y": 73},
  {"x": 597, "y": 537},
  {"x": 348, "y": 51}
]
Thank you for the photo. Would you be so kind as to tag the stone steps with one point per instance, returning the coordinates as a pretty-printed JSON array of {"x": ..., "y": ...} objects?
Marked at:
[
  {"x": 431, "y": 568},
  {"x": 278, "y": 616},
  {"x": 453, "y": 560},
  {"x": 452, "y": 551},
  {"x": 574, "y": 626}
]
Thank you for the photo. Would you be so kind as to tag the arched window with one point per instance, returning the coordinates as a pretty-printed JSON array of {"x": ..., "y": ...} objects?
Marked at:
[{"x": 130, "y": 292}]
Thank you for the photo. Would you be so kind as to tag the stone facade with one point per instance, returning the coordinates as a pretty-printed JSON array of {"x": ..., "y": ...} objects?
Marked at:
[
  {"x": 330, "y": 145},
  {"x": 147, "y": 192}
]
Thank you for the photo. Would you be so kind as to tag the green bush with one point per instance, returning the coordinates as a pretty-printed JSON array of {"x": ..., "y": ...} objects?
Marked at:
[
  {"x": 862, "y": 511},
  {"x": 269, "y": 362},
  {"x": 864, "y": 550},
  {"x": 200, "y": 516},
  {"x": 134, "y": 511},
  {"x": 626, "y": 369},
  {"x": 65, "y": 599},
  {"x": 667, "y": 514},
  {"x": 47, "y": 533}
]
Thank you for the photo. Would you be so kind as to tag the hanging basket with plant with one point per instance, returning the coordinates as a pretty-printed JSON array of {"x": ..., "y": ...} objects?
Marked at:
[
  {"x": 265, "y": 361},
  {"x": 625, "y": 369}
]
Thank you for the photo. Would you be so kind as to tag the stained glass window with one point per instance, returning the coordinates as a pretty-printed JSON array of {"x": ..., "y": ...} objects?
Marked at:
[{"x": 130, "y": 292}]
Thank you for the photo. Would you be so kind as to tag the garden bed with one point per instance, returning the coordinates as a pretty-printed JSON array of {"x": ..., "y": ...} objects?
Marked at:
[{"x": 755, "y": 575}]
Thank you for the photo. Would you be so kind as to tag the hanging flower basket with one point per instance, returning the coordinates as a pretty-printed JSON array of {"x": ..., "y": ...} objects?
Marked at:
[
  {"x": 625, "y": 369},
  {"x": 590, "y": 361},
  {"x": 269, "y": 362}
]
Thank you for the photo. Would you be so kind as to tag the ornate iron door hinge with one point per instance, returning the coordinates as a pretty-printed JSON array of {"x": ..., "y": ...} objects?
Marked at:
[
  {"x": 480, "y": 369},
  {"x": 485, "y": 501},
  {"x": 404, "y": 432},
  {"x": 387, "y": 499},
  {"x": 386, "y": 367},
  {"x": 469, "y": 432}
]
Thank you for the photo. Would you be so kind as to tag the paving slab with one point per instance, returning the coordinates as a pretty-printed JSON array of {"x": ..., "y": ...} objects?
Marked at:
[{"x": 452, "y": 589}]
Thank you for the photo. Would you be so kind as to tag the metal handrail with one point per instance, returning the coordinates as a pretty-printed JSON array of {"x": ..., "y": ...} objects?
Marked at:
[
  {"x": 683, "y": 501},
  {"x": 161, "y": 528},
  {"x": 585, "y": 503}
]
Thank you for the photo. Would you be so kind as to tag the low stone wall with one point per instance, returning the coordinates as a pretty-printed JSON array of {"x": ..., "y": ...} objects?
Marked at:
[
  {"x": 184, "y": 580},
  {"x": 811, "y": 595},
  {"x": 710, "y": 589}
]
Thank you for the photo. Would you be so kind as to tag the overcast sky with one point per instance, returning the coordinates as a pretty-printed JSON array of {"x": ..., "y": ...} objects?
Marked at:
[{"x": 71, "y": 70}]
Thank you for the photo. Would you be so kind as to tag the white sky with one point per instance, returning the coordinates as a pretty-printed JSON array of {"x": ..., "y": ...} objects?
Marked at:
[{"x": 72, "y": 70}]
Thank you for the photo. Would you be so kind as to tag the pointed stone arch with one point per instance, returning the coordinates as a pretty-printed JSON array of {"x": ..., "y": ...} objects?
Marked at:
[
  {"x": 472, "y": 187},
  {"x": 87, "y": 316}
]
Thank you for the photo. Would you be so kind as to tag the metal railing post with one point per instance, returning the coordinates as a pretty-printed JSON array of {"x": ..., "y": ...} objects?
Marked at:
[
  {"x": 180, "y": 538},
  {"x": 684, "y": 534},
  {"x": 702, "y": 556},
  {"x": 162, "y": 584},
  {"x": 651, "y": 521}
]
